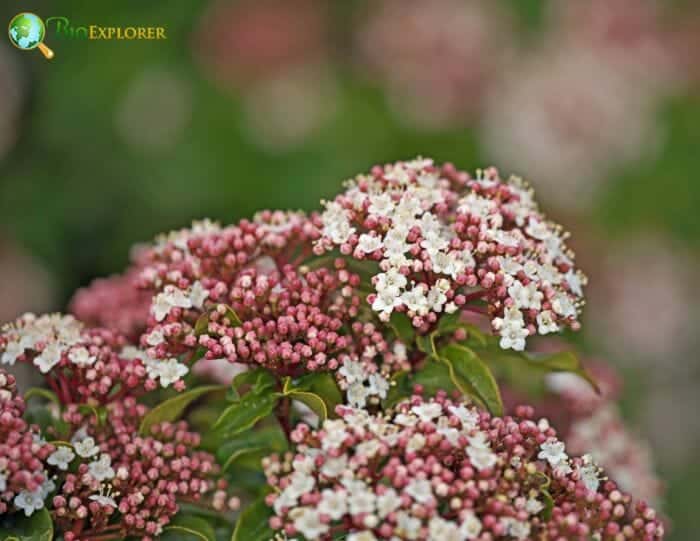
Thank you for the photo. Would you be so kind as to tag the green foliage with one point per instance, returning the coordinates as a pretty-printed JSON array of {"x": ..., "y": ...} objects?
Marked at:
[
  {"x": 402, "y": 327},
  {"x": 190, "y": 527},
  {"x": 252, "y": 525},
  {"x": 41, "y": 393},
  {"x": 246, "y": 412},
  {"x": 18, "y": 527},
  {"x": 319, "y": 391},
  {"x": 255, "y": 381},
  {"x": 472, "y": 376},
  {"x": 264, "y": 441},
  {"x": 433, "y": 376},
  {"x": 170, "y": 410}
]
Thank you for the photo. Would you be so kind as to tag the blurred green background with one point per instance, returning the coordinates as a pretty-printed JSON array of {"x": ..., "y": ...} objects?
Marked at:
[{"x": 258, "y": 104}]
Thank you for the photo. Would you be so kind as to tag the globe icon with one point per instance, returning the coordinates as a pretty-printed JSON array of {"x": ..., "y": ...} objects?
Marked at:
[{"x": 27, "y": 31}]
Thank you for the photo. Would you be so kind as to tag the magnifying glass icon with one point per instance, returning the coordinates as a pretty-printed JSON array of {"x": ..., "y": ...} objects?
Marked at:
[{"x": 27, "y": 31}]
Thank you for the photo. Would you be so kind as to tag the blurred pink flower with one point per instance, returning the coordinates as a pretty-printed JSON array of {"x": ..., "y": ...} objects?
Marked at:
[
  {"x": 566, "y": 117},
  {"x": 643, "y": 305},
  {"x": 436, "y": 60}
]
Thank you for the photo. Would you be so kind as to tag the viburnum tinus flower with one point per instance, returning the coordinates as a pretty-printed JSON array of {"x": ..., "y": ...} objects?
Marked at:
[
  {"x": 83, "y": 364},
  {"x": 24, "y": 482},
  {"x": 445, "y": 241},
  {"x": 113, "y": 482},
  {"x": 444, "y": 470},
  {"x": 242, "y": 293}
]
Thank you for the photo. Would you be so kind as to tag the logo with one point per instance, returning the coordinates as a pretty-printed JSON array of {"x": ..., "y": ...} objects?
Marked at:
[{"x": 27, "y": 31}]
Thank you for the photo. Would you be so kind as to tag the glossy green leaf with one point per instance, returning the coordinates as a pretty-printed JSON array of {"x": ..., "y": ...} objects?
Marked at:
[
  {"x": 201, "y": 326},
  {"x": 471, "y": 374},
  {"x": 258, "y": 380},
  {"x": 318, "y": 390},
  {"x": 267, "y": 439},
  {"x": 18, "y": 527},
  {"x": 426, "y": 343},
  {"x": 100, "y": 412},
  {"x": 433, "y": 376},
  {"x": 232, "y": 316},
  {"x": 402, "y": 327},
  {"x": 253, "y": 523},
  {"x": 189, "y": 527},
  {"x": 172, "y": 409},
  {"x": 245, "y": 413},
  {"x": 548, "y": 502}
]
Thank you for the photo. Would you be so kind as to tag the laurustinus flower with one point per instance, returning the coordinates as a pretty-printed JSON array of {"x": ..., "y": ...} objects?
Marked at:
[
  {"x": 445, "y": 241},
  {"x": 439, "y": 469}
]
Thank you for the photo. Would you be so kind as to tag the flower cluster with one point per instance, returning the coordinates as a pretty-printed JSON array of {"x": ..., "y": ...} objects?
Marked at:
[
  {"x": 112, "y": 480},
  {"x": 442, "y": 470},
  {"x": 24, "y": 483},
  {"x": 115, "y": 303},
  {"x": 240, "y": 293},
  {"x": 444, "y": 239},
  {"x": 83, "y": 364}
]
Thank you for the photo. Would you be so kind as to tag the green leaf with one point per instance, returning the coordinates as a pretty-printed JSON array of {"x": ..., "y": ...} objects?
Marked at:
[
  {"x": 470, "y": 372},
  {"x": 189, "y": 527},
  {"x": 433, "y": 376},
  {"x": 100, "y": 412},
  {"x": 244, "y": 414},
  {"x": 426, "y": 343},
  {"x": 172, "y": 409},
  {"x": 402, "y": 326},
  {"x": 18, "y": 527},
  {"x": 232, "y": 316},
  {"x": 253, "y": 524},
  {"x": 43, "y": 393},
  {"x": 268, "y": 439},
  {"x": 202, "y": 324},
  {"x": 259, "y": 380},
  {"x": 318, "y": 390},
  {"x": 548, "y": 504}
]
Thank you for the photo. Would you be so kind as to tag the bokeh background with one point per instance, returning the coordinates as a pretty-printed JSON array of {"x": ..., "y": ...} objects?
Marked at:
[{"x": 256, "y": 104}]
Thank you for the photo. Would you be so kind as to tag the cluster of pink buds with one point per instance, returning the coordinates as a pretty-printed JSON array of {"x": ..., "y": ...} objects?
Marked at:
[
  {"x": 115, "y": 303},
  {"x": 24, "y": 483},
  {"x": 242, "y": 293},
  {"x": 83, "y": 364},
  {"x": 439, "y": 469},
  {"x": 445, "y": 242},
  {"x": 115, "y": 483}
]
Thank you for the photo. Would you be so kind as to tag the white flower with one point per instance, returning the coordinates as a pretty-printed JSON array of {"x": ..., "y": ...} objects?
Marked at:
[
  {"x": 553, "y": 451},
  {"x": 361, "y": 501},
  {"x": 381, "y": 205},
  {"x": 563, "y": 306},
  {"x": 509, "y": 265},
  {"x": 525, "y": 296},
  {"x": 588, "y": 474},
  {"x": 407, "y": 525},
  {"x": 353, "y": 371},
  {"x": 13, "y": 350},
  {"x": 415, "y": 300},
  {"x": 441, "y": 530},
  {"x": 308, "y": 522},
  {"x": 416, "y": 443},
  {"x": 533, "y": 506},
  {"x": 61, "y": 458},
  {"x": 481, "y": 459},
  {"x": 546, "y": 323},
  {"x": 170, "y": 371},
  {"x": 3, "y": 482},
  {"x": 513, "y": 336},
  {"x": 103, "y": 500},
  {"x": 575, "y": 282},
  {"x": 357, "y": 395},
  {"x": 406, "y": 420},
  {"x": 336, "y": 225},
  {"x": 420, "y": 490},
  {"x": 335, "y": 434},
  {"x": 198, "y": 294},
  {"x": 333, "y": 504},
  {"x": 171, "y": 297},
  {"x": 86, "y": 447},
  {"x": 81, "y": 356},
  {"x": 519, "y": 530},
  {"x": 29, "y": 501},
  {"x": 388, "y": 502},
  {"x": 155, "y": 338},
  {"x": 49, "y": 358},
  {"x": 471, "y": 526},
  {"x": 538, "y": 230},
  {"x": 436, "y": 297},
  {"x": 378, "y": 385},
  {"x": 390, "y": 282},
  {"x": 480, "y": 440},
  {"x": 101, "y": 469},
  {"x": 301, "y": 483},
  {"x": 427, "y": 411},
  {"x": 468, "y": 417},
  {"x": 334, "y": 467},
  {"x": 369, "y": 243}
]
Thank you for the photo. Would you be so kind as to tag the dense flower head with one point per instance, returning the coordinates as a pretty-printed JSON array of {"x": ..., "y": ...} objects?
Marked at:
[
  {"x": 242, "y": 293},
  {"x": 115, "y": 303},
  {"x": 444, "y": 240},
  {"x": 437, "y": 469},
  {"x": 83, "y": 364},
  {"x": 24, "y": 482},
  {"x": 113, "y": 479}
]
